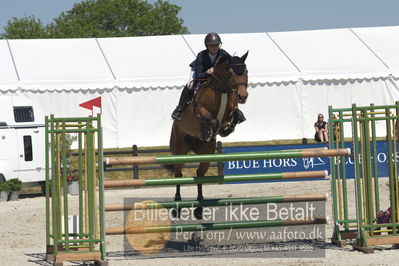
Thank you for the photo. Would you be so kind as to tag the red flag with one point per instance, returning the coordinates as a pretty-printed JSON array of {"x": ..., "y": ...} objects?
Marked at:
[{"x": 89, "y": 104}]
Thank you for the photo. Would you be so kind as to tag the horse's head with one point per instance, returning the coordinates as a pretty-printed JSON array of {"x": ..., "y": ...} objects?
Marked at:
[
  {"x": 234, "y": 71},
  {"x": 239, "y": 77}
]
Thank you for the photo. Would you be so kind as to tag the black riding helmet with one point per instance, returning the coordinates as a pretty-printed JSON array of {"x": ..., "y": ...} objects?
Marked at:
[{"x": 212, "y": 38}]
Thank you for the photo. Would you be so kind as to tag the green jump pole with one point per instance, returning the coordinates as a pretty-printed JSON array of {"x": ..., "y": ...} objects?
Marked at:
[
  {"x": 212, "y": 226},
  {"x": 259, "y": 155},
  {"x": 214, "y": 202},
  {"x": 214, "y": 179},
  {"x": 47, "y": 191}
]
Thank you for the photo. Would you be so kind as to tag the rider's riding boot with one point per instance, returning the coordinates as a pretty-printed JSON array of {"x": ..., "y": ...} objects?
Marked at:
[
  {"x": 240, "y": 116},
  {"x": 185, "y": 96}
]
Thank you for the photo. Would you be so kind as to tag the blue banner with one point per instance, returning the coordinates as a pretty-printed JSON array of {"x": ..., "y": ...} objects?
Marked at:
[{"x": 299, "y": 164}]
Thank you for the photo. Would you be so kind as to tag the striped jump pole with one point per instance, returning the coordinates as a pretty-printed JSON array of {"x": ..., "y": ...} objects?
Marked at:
[
  {"x": 214, "y": 179},
  {"x": 215, "y": 202},
  {"x": 258, "y": 155},
  {"x": 213, "y": 226}
]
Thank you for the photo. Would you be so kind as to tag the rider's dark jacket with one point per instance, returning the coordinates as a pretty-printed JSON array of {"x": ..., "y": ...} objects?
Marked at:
[{"x": 203, "y": 62}]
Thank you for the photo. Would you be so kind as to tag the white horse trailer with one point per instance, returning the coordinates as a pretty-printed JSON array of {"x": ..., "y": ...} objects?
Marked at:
[{"x": 21, "y": 140}]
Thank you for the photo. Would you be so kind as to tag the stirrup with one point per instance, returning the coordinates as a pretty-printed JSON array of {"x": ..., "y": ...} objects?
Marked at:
[{"x": 177, "y": 114}]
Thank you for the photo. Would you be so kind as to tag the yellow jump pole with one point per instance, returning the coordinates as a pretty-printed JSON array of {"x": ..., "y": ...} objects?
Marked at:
[
  {"x": 95, "y": 183},
  {"x": 58, "y": 171},
  {"x": 339, "y": 181},
  {"x": 363, "y": 188},
  {"x": 86, "y": 185}
]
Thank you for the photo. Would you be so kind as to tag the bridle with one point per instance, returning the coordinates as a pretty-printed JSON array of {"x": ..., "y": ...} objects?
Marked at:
[
  {"x": 238, "y": 84},
  {"x": 231, "y": 88}
]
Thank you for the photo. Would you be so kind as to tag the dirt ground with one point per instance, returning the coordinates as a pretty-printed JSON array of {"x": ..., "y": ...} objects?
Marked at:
[{"x": 22, "y": 229}]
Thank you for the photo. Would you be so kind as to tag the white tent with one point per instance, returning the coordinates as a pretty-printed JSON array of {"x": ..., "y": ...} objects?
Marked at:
[{"x": 293, "y": 76}]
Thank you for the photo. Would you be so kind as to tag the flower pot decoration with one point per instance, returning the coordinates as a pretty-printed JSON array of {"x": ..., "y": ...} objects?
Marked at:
[
  {"x": 73, "y": 182},
  {"x": 15, "y": 188},
  {"x": 4, "y": 191}
]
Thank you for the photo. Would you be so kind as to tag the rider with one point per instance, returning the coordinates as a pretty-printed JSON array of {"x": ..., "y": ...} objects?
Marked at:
[{"x": 203, "y": 68}]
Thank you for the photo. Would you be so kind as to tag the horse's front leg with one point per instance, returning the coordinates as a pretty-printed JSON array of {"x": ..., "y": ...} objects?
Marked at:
[
  {"x": 201, "y": 171},
  {"x": 210, "y": 125},
  {"x": 230, "y": 126},
  {"x": 178, "y": 173}
]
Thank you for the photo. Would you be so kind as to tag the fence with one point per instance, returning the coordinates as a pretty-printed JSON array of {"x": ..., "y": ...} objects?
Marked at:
[{"x": 135, "y": 151}]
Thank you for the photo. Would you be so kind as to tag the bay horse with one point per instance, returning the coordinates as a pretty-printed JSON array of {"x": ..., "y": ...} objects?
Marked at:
[{"x": 212, "y": 112}]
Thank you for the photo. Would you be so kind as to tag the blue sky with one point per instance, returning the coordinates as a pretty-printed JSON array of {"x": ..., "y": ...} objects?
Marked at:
[{"x": 237, "y": 16}]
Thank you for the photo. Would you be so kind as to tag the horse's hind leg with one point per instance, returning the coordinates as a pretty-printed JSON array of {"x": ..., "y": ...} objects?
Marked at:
[
  {"x": 177, "y": 147},
  {"x": 199, "y": 189},
  {"x": 178, "y": 173}
]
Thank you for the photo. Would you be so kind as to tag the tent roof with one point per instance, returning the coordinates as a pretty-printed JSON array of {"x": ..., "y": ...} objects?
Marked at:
[
  {"x": 8, "y": 75},
  {"x": 162, "y": 61},
  {"x": 384, "y": 42},
  {"x": 155, "y": 61},
  {"x": 328, "y": 53}
]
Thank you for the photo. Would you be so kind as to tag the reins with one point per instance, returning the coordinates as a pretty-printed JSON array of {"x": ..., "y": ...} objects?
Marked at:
[{"x": 231, "y": 88}]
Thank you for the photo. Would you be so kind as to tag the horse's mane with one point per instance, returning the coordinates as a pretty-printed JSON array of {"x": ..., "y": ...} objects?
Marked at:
[{"x": 223, "y": 58}]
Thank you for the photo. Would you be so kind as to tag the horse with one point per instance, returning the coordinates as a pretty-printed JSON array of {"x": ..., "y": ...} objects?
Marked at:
[{"x": 212, "y": 112}]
